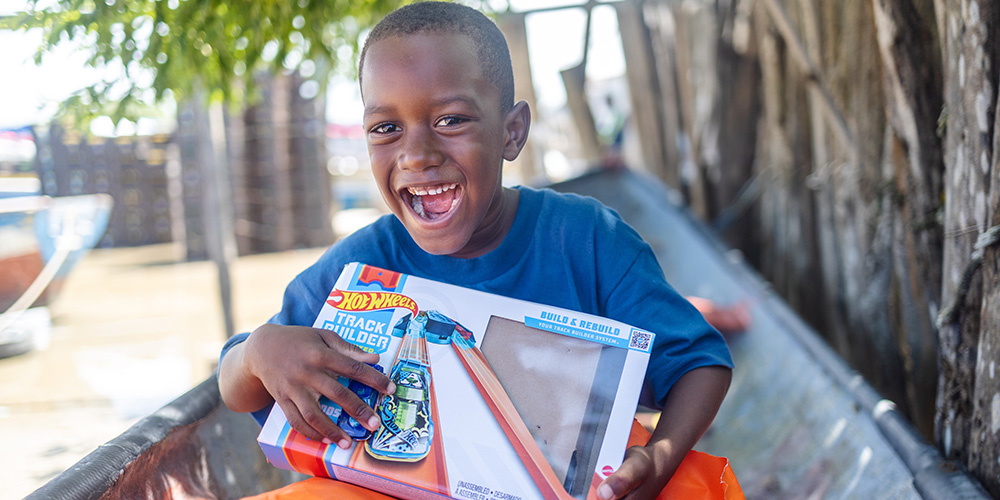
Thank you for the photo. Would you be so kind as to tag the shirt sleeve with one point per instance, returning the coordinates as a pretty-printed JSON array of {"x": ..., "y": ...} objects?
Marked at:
[{"x": 683, "y": 339}]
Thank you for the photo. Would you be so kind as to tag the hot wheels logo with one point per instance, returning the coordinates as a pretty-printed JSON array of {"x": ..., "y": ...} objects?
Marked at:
[{"x": 370, "y": 301}]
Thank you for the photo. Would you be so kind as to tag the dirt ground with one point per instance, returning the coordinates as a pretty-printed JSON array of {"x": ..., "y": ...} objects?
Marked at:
[{"x": 132, "y": 330}]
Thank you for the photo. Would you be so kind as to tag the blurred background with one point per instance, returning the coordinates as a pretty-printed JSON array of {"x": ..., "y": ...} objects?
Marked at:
[
  {"x": 138, "y": 315},
  {"x": 166, "y": 167}
]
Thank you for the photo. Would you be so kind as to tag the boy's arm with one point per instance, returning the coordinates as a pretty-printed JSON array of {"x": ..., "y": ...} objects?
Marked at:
[
  {"x": 688, "y": 410},
  {"x": 293, "y": 366}
]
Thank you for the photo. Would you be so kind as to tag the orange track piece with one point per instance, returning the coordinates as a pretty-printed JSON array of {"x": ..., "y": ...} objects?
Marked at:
[
  {"x": 510, "y": 421},
  {"x": 430, "y": 473}
]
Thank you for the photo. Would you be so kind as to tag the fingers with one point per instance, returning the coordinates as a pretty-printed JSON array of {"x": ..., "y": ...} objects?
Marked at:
[
  {"x": 310, "y": 421},
  {"x": 298, "y": 365},
  {"x": 630, "y": 478},
  {"x": 353, "y": 363},
  {"x": 351, "y": 403},
  {"x": 337, "y": 342},
  {"x": 326, "y": 383},
  {"x": 319, "y": 422}
]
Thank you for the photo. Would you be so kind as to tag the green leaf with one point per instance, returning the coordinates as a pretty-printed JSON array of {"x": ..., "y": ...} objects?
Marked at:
[{"x": 207, "y": 40}]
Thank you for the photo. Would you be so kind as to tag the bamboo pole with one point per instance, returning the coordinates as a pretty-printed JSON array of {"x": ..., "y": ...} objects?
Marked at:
[{"x": 798, "y": 53}]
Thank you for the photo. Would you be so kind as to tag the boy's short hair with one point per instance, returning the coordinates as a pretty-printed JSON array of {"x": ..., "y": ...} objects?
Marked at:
[{"x": 444, "y": 17}]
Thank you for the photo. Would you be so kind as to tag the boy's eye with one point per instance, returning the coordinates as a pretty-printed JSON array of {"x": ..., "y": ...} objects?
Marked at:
[
  {"x": 384, "y": 128},
  {"x": 450, "y": 121}
]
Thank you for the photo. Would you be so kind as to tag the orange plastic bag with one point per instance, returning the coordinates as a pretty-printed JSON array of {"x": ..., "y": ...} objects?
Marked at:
[
  {"x": 321, "y": 488},
  {"x": 700, "y": 476},
  {"x": 703, "y": 476}
]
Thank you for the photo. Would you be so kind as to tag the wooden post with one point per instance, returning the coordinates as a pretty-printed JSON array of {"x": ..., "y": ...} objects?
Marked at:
[
  {"x": 575, "y": 80},
  {"x": 239, "y": 181},
  {"x": 912, "y": 80},
  {"x": 660, "y": 22},
  {"x": 828, "y": 238},
  {"x": 985, "y": 453},
  {"x": 216, "y": 198},
  {"x": 528, "y": 163},
  {"x": 644, "y": 89},
  {"x": 690, "y": 51},
  {"x": 799, "y": 54},
  {"x": 576, "y": 98},
  {"x": 280, "y": 117},
  {"x": 967, "y": 423}
]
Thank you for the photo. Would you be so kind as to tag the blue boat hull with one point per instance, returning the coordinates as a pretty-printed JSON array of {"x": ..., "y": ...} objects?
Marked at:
[{"x": 41, "y": 241}]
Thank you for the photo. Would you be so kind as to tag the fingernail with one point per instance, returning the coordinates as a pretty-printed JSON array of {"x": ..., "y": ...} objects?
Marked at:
[
  {"x": 604, "y": 492},
  {"x": 327, "y": 441},
  {"x": 392, "y": 388},
  {"x": 344, "y": 444},
  {"x": 374, "y": 422}
]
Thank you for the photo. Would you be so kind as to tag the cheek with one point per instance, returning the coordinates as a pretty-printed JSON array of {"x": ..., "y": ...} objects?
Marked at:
[
  {"x": 482, "y": 165},
  {"x": 487, "y": 172},
  {"x": 381, "y": 170},
  {"x": 383, "y": 179}
]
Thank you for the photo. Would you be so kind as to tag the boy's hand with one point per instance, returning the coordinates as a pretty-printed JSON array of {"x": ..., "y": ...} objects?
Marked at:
[
  {"x": 687, "y": 412},
  {"x": 642, "y": 475},
  {"x": 297, "y": 364}
]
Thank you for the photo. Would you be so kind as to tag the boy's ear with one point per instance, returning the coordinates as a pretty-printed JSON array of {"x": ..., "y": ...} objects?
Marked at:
[{"x": 516, "y": 125}]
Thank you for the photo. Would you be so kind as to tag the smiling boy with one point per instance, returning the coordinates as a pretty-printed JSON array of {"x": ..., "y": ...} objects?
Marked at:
[
  {"x": 440, "y": 119},
  {"x": 437, "y": 136}
]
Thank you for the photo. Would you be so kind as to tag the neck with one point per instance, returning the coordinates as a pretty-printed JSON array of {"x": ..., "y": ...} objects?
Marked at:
[{"x": 495, "y": 226}]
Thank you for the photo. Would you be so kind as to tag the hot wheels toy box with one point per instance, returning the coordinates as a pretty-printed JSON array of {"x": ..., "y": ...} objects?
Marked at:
[{"x": 496, "y": 398}]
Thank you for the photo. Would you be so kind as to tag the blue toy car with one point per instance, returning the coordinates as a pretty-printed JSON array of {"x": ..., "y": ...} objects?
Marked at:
[
  {"x": 407, "y": 428},
  {"x": 352, "y": 427}
]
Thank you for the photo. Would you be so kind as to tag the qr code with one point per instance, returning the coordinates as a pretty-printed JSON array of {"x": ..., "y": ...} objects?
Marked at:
[{"x": 640, "y": 340}]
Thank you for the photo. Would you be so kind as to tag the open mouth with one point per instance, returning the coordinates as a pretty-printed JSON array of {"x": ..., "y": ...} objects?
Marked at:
[{"x": 434, "y": 202}]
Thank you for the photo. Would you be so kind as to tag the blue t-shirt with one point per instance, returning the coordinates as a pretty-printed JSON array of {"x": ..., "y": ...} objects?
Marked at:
[{"x": 563, "y": 250}]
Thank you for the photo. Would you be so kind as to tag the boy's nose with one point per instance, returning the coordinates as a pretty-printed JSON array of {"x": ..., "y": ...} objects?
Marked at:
[{"x": 420, "y": 150}]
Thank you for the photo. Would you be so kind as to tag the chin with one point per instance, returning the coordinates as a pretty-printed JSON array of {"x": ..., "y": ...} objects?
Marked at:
[
  {"x": 437, "y": 247},
  {"x": 440, "y": 240}
]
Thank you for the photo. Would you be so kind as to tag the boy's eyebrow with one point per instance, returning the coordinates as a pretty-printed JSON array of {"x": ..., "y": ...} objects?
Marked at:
[
  {"x": 373, "y": 110},
  {"x": 459, "y": 99}
]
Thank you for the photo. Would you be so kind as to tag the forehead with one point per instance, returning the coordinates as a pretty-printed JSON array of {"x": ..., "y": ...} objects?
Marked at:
[{"x": 424, "y": 63}]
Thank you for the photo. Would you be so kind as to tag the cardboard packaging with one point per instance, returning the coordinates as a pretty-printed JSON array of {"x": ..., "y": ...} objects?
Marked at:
[{"x": 496, "y": 398}]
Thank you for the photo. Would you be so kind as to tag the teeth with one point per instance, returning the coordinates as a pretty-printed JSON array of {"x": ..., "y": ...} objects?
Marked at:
[
  {"x": 417, "y": 206},
  {"x": 424, "y": 191}
]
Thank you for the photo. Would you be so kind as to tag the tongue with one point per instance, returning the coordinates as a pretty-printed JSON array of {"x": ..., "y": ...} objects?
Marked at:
[{"x": 438, "y": 203}]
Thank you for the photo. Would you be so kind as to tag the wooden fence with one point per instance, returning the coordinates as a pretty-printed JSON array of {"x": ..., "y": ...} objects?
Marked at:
[
  {"x": 849, "y": 149},
  {"x": 277, "y": 170}
]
